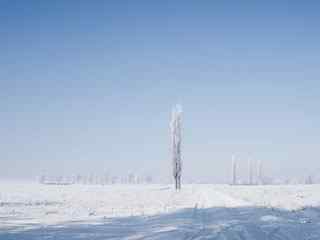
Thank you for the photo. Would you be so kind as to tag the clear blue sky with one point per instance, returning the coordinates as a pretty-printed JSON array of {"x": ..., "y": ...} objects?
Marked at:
[{"x": 88, "y": 86}]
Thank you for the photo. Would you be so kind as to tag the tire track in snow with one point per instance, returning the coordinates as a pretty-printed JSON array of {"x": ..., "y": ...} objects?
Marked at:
[{"x": 212, "y": 197}]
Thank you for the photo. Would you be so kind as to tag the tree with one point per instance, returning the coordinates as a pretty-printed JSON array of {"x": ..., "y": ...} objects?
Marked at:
[
  {"x": 176, "y": 120},
  {"x": 234, "y": 171},
  {"x": 259, "y": 173},
  {"x": 309, "y": 180},
  {"x": 250, "y": 177},
  {"x": 132, "y": 178}
]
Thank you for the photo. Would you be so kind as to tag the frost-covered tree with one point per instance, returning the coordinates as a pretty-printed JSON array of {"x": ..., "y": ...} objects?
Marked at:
[
  {"x": 233, "y": 171},
  {"x": 259, "y": 173},
  {"x": 175, "y": 126},
  {"x": 250, "y": 177},
  {"x": 309, "y": 180},
  {"x": 132, "y": 178},
  {"x": 105, "y": 178}
]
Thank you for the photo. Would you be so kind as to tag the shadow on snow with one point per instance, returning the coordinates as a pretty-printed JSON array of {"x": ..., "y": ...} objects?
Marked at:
[{"x": 212, "y": 223}]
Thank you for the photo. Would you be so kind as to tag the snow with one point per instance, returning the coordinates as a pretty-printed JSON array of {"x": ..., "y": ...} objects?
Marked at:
[{"x": 35, "y": 211}]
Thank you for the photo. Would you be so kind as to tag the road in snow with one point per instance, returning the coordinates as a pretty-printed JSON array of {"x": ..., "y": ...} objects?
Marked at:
[{"x": 34, "y": 211}]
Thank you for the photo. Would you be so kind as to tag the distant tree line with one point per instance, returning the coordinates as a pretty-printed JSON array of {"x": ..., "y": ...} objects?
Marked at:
[
  {"x": 256, "y": 176},
  {"x": 94, "y": 179}
]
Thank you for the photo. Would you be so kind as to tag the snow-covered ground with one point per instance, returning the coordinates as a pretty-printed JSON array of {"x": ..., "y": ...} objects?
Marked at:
[{"x": 34, "y": 211}]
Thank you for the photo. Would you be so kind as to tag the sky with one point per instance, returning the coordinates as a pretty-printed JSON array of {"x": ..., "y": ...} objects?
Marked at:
[{"x": 88, "y": 87}]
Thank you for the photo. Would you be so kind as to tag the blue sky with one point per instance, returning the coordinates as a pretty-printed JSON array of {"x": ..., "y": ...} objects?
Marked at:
[{"x": 88, "y": 86}]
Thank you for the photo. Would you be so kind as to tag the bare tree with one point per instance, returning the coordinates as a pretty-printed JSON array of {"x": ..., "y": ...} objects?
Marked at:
[{"x": 176, "y": 120}]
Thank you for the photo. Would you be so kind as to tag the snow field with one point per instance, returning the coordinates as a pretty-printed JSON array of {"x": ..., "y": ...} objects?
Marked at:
[{"x": 35, "y": 211}]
